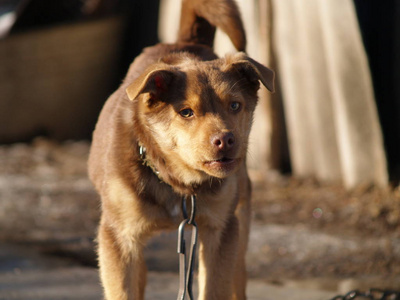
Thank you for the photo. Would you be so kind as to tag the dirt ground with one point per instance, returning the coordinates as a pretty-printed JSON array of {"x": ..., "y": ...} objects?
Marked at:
[
  {"x": 364, "y": 211},
  {"x": 368, "y": 216},
  {"x": 302, "y": 228}
]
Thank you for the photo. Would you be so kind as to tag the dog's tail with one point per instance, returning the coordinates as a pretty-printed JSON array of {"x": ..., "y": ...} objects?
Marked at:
[{"x": 199, "y": 19}]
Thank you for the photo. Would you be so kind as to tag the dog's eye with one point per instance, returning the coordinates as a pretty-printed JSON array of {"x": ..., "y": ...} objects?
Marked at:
[
  {"x": 186, "y": 113},
  {"x": 235, "y": 106}
]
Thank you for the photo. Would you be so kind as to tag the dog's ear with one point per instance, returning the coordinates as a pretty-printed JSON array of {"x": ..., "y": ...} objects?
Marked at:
[
  {"x": 155, "y": 83},
  {"x": 253, "y": 70}
]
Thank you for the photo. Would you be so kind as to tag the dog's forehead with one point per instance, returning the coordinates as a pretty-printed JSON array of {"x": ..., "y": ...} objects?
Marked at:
[
  {"x": 207, "y": 86},
  {"x": 205, "y": 75}
]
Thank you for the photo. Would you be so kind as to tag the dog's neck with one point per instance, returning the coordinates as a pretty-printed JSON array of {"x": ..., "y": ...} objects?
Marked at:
[
  {"x": 212, "y": 185},
  {"x": 163, "y": 176},
  {"x": 147, "y": 162}
]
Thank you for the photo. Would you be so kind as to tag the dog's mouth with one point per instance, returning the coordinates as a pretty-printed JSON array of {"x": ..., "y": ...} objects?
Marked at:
[
  {"x": 222, "y": 165},
  {"x": 225, "y": 160},
  {"x": 221, "y": 161}
]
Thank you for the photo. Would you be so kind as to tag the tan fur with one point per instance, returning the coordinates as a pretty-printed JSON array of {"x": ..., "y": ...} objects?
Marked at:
[{"x": 204, "y": 154}]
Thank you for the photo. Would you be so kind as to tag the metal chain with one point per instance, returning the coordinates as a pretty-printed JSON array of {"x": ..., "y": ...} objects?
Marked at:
[
  {"x": 372, "y": 294},
  {"x": 186, "y": 268}
]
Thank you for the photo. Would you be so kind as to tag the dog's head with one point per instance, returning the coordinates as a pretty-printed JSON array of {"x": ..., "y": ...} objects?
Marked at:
[{"x": 198, "y": 114}]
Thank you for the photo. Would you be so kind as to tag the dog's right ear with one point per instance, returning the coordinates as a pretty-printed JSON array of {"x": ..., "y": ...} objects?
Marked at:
[
  {"x": 253, "y": 70},
  {"x": 155, "y": 83}
]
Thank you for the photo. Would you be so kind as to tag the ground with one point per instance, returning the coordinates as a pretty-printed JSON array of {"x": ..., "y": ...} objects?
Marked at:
[
  {"x": 303, "y": 231},
  {"x": 364, "y": 222}
]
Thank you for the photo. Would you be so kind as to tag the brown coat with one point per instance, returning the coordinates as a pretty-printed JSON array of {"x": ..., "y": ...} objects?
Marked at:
[{"x": 192, "y": 112}]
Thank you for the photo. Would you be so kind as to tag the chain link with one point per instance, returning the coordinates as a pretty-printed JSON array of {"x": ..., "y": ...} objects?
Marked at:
[
  {"x": 186, "y": 266},
  {"x": 372, "y": 294}
]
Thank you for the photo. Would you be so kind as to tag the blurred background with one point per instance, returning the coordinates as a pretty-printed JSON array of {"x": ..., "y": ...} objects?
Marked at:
[{"x": 324, "y": 155}]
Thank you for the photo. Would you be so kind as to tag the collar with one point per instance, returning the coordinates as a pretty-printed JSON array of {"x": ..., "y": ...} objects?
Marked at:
[{"x": 146, "y": 162}]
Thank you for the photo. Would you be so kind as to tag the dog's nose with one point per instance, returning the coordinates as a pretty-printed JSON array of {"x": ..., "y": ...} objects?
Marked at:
[{"x": 223, "y": 141}]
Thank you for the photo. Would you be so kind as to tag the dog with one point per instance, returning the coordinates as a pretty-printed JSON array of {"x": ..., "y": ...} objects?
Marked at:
[{"x": 178, "y": 126}]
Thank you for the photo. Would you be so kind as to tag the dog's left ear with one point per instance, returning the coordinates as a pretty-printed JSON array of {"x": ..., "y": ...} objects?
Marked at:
[
  {"x": 253, "y": 70},
  {"x": 154, "y": 82}
]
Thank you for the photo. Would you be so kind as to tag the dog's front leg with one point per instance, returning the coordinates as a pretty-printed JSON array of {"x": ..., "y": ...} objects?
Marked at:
[
  {"x": 218, "y": 253},
  {"x": 243, "y": 214},
  {"x": 122, "y": 267}
]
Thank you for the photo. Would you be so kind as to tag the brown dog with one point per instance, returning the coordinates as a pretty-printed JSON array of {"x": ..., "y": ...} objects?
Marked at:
[{"x": 192, "y": 112}]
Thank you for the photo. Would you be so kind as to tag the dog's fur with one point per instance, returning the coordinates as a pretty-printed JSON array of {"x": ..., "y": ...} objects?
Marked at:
[{"x": 192, "y": 112}]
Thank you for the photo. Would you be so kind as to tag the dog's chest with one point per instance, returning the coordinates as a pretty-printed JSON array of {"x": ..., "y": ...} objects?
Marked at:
[{"x": 175, "y": 211}]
